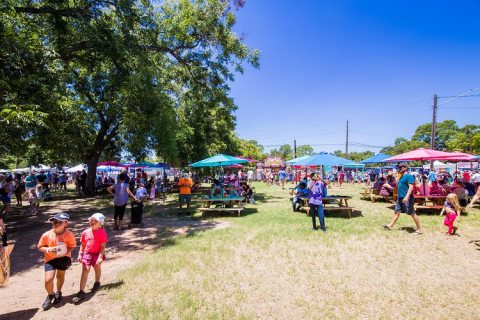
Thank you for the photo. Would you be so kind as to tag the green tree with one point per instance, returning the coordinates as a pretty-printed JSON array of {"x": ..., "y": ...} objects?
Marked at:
[
  {"x": 251, "y": 149},
  {"x": 128, "y": 76},
  {"x": 404, "y": 147},
  {"x": 354, "y": 156},
  {"x": 444, "y": 133},
  {"x": 304, "y": 150},
  {"x": 285, "y": 152}
]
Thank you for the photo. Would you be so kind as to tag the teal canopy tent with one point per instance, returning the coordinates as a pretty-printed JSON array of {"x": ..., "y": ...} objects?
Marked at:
[
  {"x": 325, "y": 159},
  {"x": 219, "y": 160}
]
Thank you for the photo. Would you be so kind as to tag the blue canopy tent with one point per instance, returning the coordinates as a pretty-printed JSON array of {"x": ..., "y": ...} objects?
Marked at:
[
  {"x": 378, "y": 158},
  {"x": 326, "y": 159},
  {"x": 296, "y": 159},
  {"x": 219, "y": 160}
]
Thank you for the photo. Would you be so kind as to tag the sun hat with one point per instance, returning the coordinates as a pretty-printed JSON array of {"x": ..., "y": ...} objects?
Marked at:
[
  {"x": 99, "y": 217},
  {"x": 61, "y": 216}
]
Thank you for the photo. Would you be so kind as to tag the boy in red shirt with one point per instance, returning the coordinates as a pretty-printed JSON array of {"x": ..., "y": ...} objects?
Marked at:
[
  {"x": 57, "y": 244},
  {"x": 92, "y": 253}
]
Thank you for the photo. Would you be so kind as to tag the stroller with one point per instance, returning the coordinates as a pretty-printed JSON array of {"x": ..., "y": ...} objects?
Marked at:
[
  {"x": 136, "y": 215},
  {"x": 47, "y": 194}
]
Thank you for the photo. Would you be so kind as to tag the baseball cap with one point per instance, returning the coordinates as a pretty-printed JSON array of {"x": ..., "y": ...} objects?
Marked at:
[
  {"x": 99, "y": 217},
  {"x": 61, "y": 216},
  {"x": 402, "y": 164}
]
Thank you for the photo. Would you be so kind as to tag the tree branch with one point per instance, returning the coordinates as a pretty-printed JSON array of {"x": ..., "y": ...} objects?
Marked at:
[{"x": 69, "y": 12}]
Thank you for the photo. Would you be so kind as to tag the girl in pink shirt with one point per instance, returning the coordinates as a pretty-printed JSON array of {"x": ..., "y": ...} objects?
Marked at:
[{"x": 92, "y": 253}]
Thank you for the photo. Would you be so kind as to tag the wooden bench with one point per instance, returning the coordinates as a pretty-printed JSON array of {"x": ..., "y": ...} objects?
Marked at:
[
  {"x": 348, "y": 209},
  {"x": 426, "y": 207},
  {"x": 238, "y": 210}
]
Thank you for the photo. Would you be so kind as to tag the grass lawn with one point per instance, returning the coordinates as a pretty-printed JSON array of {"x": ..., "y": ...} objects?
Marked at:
[{"x": 269, "y": 264}]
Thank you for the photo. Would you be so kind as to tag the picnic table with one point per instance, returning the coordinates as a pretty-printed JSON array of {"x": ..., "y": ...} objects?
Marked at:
[
  {"x": 291, "y": 190},
  {"x": 222, "y": 204},
  {"x": 367, "y": 191},
  {"x": 331, "y": 203},
  {"x": 429, "y": 201}
]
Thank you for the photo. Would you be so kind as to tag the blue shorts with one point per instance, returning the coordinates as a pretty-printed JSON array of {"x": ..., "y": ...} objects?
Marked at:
[
  {"x": 185, "y": 198},
  {"x": 5, "y": 199},
  {"x": 405, "y": 207},
  {"x": 62, "y": 263}
]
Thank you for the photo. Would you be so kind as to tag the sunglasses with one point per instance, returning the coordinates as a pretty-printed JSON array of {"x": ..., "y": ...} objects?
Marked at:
[{"x": 57, "y": 222}]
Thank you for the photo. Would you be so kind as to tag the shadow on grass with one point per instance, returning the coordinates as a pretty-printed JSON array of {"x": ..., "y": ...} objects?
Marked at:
[
  {"x": 263, "y": 197},
  {"x": 408, "y": 229},
  {"x": 343, "y": 214}
]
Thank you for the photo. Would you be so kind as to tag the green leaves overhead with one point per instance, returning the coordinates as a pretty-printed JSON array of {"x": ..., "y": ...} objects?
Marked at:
[{"x": 98, "y": 78}]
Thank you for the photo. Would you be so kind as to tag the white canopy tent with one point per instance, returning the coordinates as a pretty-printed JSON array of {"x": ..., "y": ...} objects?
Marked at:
[
  {"x": 440, "y": 165},
  {"x": 79, "y": 167}
]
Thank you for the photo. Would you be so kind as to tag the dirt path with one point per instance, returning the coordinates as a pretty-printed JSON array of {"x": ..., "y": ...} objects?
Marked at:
[{"x": 25, "y": 293}]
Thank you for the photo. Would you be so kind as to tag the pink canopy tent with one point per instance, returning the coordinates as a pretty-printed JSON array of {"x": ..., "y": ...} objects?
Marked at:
[
  {"x": 422, "y": 154},
  {"x": 110, "y": 163}
]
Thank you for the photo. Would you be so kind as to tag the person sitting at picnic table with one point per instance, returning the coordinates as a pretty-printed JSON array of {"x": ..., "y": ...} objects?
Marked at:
[
  {"x": 301, "y": 191},
  {"x": 461, "y": 192},
  {"x": 435, "y": 189},
  {"x": 215, "y": 189},
  {"x": 377, "y": 185},
  {"x": 247, "y": 192},
  {"x": 230, "y": 192},
  {"x": 385, "y": 189},
  {"x": 469, "y": 187}
]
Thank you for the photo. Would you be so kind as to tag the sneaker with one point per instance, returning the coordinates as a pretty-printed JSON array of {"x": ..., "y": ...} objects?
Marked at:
[
  {"x": 58, "y": 297},
  {"x": 96, "y": 287},
  {"x": 48, "y": 302},
  {"x": 315, "y": 228},
  {"x": 79, "y": 297}
]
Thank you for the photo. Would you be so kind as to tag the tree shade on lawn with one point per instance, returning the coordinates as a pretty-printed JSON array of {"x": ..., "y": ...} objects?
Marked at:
[{"x": 219, "y": 160}]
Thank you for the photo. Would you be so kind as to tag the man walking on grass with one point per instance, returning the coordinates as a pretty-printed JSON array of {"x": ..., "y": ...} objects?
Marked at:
[{"x": 405, "y": 198}]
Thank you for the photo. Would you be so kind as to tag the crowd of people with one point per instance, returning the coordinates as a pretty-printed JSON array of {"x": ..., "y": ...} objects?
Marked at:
[{"x": 58, "y": 243}]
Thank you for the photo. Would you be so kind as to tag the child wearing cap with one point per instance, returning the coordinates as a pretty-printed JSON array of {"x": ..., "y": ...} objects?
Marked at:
[
  {"x": 92, "y": 253},
  {"x": 57, "y": 244}
]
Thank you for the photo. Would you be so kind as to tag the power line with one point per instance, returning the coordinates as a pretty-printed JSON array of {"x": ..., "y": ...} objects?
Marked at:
[
  {"x": 459, "y": 96},
  {"x": 374, "y": 134}
]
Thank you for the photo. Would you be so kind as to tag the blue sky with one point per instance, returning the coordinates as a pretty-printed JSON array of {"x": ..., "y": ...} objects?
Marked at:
[{"x": 376, "y": 63}]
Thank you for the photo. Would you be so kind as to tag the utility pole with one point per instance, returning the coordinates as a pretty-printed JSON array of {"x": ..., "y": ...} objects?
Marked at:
[
  {"x": 346, "y": 142},
  {"x": 434, "y": 122},
  {"x": 295, "y": 148},
  {"x": 434, "y": 127}
]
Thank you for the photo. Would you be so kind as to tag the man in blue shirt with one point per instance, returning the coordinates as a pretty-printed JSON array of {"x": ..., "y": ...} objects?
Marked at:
[
  {"x": 282, "y": 175},
  {"x": 405, "y": 198}
]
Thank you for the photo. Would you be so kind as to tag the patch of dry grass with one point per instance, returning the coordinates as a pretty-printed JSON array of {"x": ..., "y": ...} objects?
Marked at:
[{"x": 270, "y": 264}]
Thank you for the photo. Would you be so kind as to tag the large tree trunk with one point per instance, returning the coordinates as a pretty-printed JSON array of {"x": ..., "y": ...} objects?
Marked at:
[{"x": 91, "y": 174}]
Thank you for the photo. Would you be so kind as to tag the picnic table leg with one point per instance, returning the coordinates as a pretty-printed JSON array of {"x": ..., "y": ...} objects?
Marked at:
[{"x": 349, "y": 213}]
